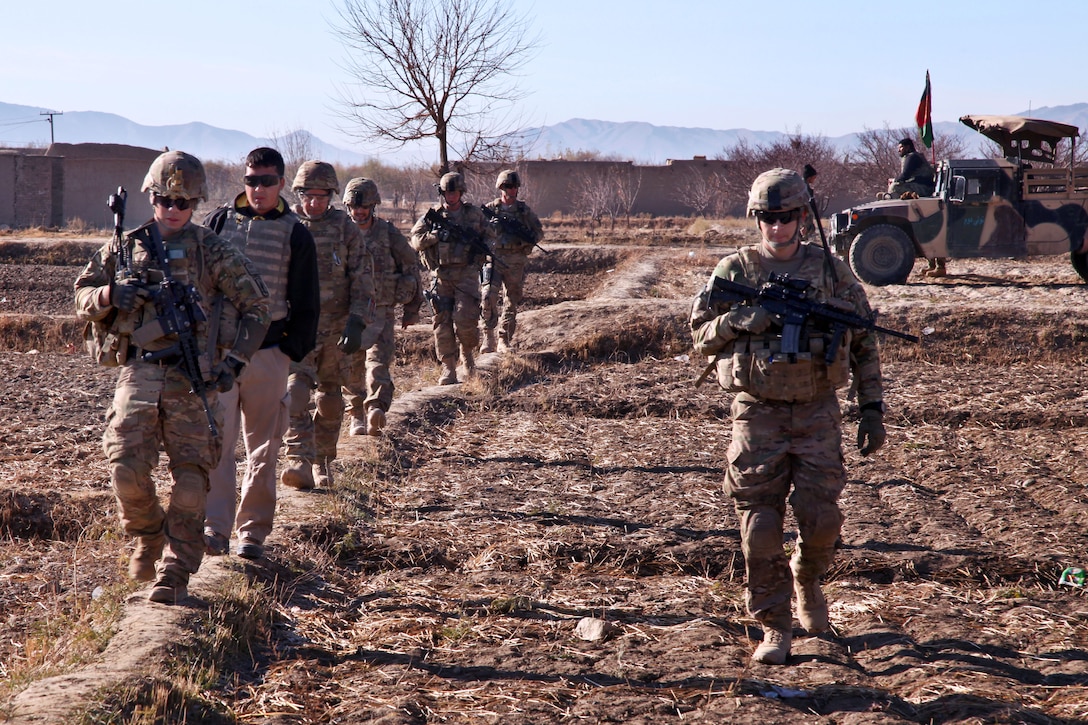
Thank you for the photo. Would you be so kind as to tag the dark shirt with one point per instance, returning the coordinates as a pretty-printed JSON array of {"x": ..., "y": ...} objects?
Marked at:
[
  {"x": 916, "y": 169},
  {"x": 297, "y": 333}
]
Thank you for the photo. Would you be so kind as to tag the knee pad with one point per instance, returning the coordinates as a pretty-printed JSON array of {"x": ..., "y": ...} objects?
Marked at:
[{"x": 190, "y": 492}]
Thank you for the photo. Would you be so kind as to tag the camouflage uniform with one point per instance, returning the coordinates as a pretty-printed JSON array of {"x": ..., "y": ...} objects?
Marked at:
[
  {"x": 507, "y": 279},
  {"x": 153, "y": 407},
  {"x": 346, "y": 274},
  {"x": 456, "y": 291},
  {"x": 786, "y": 434},
  {"x": 396, "y": 282}
]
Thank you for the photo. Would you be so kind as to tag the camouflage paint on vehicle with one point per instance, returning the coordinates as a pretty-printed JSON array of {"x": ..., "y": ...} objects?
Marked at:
[{"x": 980, "y": 208}]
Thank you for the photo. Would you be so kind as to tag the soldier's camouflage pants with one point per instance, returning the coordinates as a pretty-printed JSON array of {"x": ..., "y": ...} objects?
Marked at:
[
  {"x": 458, "y": 288},
  {"x": 371, "y": 380},
  {"x": 314, "y": 425},
  {"x": 777, "y": 447},
  {"x": 153, "y": 409},
  {"x": 506, "y": 290}
]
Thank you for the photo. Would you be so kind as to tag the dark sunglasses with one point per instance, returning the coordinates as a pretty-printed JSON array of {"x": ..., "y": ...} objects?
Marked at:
[
  {"x": 167, "y": 203},
  {"x": 261, "y": 180},
  {"x": 778, "y": 217}
]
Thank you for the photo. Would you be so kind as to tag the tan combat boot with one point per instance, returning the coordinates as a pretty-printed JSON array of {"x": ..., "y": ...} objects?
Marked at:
[
  {"x": 469, "y": 363},
  {"x": 297, "y": 474},
  {"x": 375, "y": 421},
  {"x": 811, "y": 604},
  {"x": 141, "y": 565},
  {"x": 358, "y": 427},
  {"x": 775, "y": 647},
  {"x": 449, "y": 372},
  {"x": 323, "y": 473},
  {"x": 504, "y": 342},
  {"x": 489, "y": 340}
]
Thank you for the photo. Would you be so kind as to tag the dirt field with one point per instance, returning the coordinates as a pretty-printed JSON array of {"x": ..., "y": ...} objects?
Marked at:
[{"x": 579, "y": 477}]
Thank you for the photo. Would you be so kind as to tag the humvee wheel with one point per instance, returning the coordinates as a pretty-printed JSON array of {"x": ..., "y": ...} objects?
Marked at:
[
  {"x": 882, "y": 254},
  {"x": 1080, "y": 263}
]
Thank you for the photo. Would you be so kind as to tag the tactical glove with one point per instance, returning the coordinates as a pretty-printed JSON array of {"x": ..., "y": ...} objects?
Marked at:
[
  {"x": 352, "y": 338},
  {"x": 225, "y": 373},
  {"x": 871, "y": 433},
  {"x": 748, "y": 319},
  {"x": 128, "y": 294}
]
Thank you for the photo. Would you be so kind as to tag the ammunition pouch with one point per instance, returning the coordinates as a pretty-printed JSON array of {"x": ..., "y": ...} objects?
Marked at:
[
  {"x": 106, "y": 345},
  {"x": 757, "y": 366}
]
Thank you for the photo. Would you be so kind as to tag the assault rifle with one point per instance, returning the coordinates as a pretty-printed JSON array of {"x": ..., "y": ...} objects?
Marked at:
[
  {"x": 512, "y": 226},
  {"x": 456, "y": 233},
  {"x": 787, "y": 297},
  {"x": 178, "y": 308}
]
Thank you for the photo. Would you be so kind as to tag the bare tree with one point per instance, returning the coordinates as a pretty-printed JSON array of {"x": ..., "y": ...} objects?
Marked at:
[
  {"x": 746, "y": 162},
  {"x": 434, "y": 68},
  {"x": 624, "y": 182},
  {"x": 699, "y": 190},
  {"x": 296, "y": 147},
  {"x": 876, "y": 158}
]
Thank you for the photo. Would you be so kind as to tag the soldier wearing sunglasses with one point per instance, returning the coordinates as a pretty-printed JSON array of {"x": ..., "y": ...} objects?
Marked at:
[
  {"x": 155, "y": 407},
  {"x": 261, "y": 224},
  {"x": 786, "y": 443}
]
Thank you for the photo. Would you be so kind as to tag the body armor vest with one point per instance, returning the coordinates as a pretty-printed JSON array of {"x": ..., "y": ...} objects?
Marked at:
[
  {"x": 756, "y": 364},
  {"x": 329, "y": 232},
  {"x": 267, "y": 243}
]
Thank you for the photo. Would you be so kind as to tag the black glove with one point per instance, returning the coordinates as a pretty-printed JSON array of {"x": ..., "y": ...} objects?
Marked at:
[
  {"x": 442, "y": 234},
  {"x": 352, "y": 338},
  {"x": 128, "y": 294},
  {"x": 225, "y": 373},
  {"x": 871, "y": 435}
]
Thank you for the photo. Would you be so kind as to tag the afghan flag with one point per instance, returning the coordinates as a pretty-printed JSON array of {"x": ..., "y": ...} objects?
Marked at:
[{"x": 924, "y": 115}]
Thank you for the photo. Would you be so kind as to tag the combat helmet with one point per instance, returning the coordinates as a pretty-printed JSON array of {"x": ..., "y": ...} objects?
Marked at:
[
  {"x": 778, "y": 190},
  {"x": 508, "y": 176},
  {"x": 452, "y": 182},
  {"x": 177, "y": 175},
  {"x": 362, "y": 191},
  {"x": 316, "y": 175}
]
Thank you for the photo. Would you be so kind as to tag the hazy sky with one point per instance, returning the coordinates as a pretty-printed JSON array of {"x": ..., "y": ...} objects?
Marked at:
[{"x": 819, "y": 67}]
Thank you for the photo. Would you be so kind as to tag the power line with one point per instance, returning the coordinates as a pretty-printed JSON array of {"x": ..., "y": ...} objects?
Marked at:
[{"x": 51, "y": 114}]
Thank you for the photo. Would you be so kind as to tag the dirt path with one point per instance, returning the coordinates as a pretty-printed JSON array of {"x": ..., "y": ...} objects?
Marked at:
[{"x": 581, "y": 477}]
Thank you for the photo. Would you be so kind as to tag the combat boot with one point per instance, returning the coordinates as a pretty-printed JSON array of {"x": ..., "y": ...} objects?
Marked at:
[
  {"x": 811, "y": 604},
  {"x": 504, "y": 342},
  {"x": 489, "y": 340},
  {"x": 323, "y": 472},
  {"x": 449, "y": 371},
  {"x": 775, "y": 647},
  {"x": 375, "y": 421},
  {"x": 358, "y": 427},
  {"x": 469, "y": 362},
  {"x": 297, "y": 474},
  {"x": 141, "y": 565},
  {"x": 169, "y": 589}
]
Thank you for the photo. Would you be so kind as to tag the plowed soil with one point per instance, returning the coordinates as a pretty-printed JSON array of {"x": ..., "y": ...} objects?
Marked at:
[{"x": 580, "y": 477}]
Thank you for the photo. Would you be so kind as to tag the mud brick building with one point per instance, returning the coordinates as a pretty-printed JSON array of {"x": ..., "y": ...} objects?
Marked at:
[{"x": 70, "y": 182}]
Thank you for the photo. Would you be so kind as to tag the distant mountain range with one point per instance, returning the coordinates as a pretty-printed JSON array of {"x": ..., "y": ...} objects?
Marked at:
[{"x": 22, "y": 126}]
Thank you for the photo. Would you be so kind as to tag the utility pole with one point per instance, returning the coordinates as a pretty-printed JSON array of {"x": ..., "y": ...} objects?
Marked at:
[{"x": 51, "y": 114}]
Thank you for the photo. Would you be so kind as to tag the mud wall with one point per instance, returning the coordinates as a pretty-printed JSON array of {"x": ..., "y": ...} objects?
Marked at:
[{"x": 71, "y": 182}]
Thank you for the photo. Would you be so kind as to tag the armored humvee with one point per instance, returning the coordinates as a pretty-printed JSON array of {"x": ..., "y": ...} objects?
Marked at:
[{"x": 1019, "y": 205}]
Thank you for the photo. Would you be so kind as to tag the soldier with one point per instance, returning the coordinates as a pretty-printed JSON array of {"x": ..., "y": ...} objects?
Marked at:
[
  {"x": 259, "y": 223},
  {"x": 122, "y": 292},
  {"x": 346, "y": 326},
  {"x": 513, "y": 248},
  {"x": 787, "y": 425},
  {"x": 456, "y": 266},
  {"x": 396, "y": 282}
]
